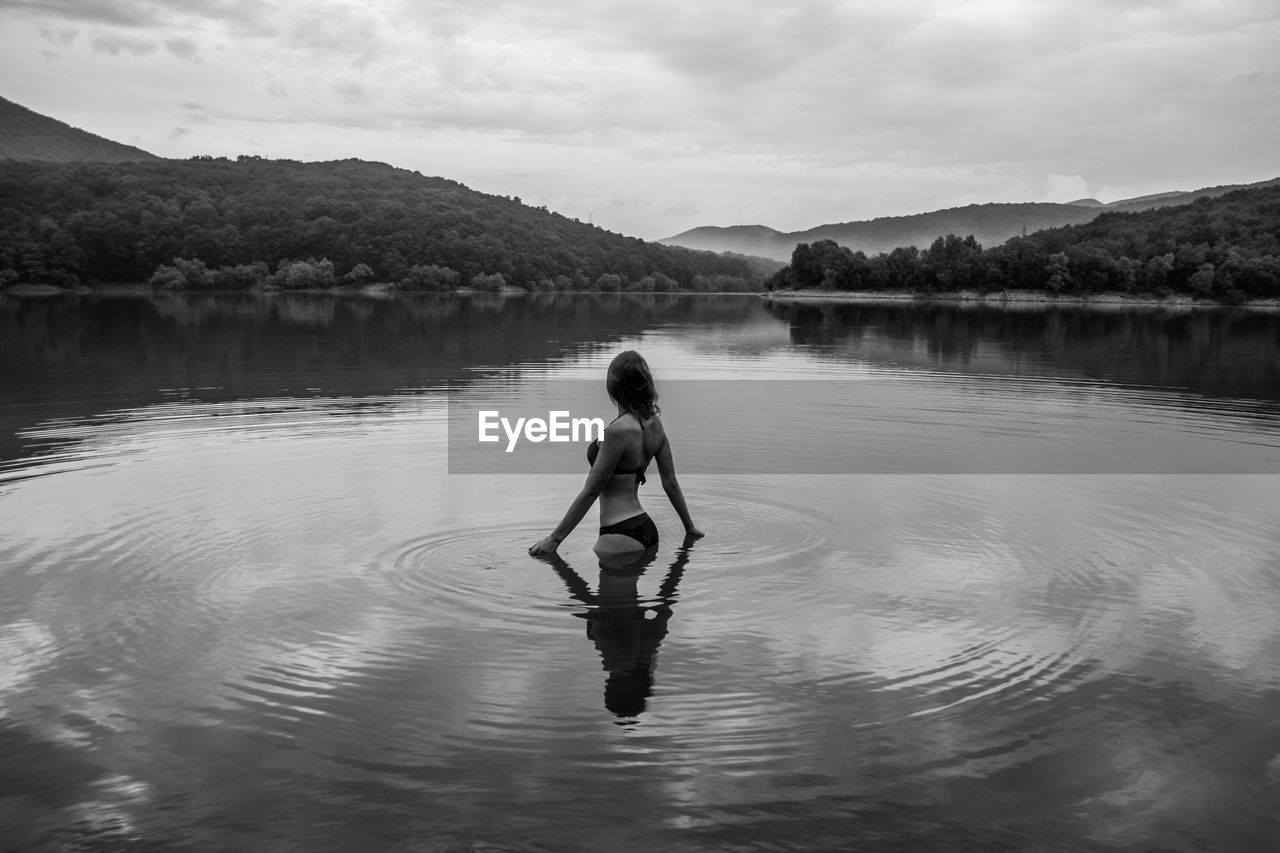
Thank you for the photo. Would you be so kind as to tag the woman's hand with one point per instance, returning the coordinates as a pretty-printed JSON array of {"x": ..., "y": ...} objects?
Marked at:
[
  {"x": 544, "y": 547},
  {"x": 693, "y": 533}
]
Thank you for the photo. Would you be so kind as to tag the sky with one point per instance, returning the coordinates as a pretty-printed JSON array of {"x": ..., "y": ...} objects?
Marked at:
[{"x": 652, "y": 118}]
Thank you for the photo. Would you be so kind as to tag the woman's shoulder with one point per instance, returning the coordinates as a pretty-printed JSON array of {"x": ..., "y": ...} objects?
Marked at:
[
  {"x": 622, "y": 425},
  {"x": 629, "y": 423},
  {"x": 653, "y": 426}
]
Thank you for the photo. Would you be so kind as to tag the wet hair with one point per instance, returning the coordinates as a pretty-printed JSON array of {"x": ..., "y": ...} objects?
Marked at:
[{"x": 631, "y": 386}]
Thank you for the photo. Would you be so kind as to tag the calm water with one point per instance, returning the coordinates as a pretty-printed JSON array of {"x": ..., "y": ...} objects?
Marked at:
[{"x": 244, "y": 605}]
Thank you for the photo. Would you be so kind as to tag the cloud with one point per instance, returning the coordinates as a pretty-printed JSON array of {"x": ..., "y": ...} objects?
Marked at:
[
  {"x": 179, "y": 132},
  {"x": 183, "y": 48},
  {"x": 1113, "y": 192},
  {"x": 335, "y": 30},
  {"x": 243, "y": 16},
  {"x": 275, "y": 88},
  {"x": 768, "y": 110},
  {"x": 678, "y": 206},
  {"x": 955, "y": 102},
  {"x": 726, "y": 47},
  {"x": 194, "y": 113},
  {"x": 62, "y": 37},
  {"x": 129, "y": 13},
  {"x": 351, "y": 90},
  {"x": 1065, "y": 188},
  {"x": 950, "y": 83},
  {"x": 114, "y": 45}
]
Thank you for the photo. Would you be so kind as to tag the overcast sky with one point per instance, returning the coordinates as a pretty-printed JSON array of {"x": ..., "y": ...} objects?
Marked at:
[{"x": 655, "y": 117}]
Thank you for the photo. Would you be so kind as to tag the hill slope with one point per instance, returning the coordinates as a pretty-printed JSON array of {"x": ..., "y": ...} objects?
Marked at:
[
  {"x": 1222, "y": 246},
  {"x": 235, "y": 222},
  {"x": 27, "y": 135},
  {"x": 1170, "y": 199},
  {"x": 989, "y": 224}
]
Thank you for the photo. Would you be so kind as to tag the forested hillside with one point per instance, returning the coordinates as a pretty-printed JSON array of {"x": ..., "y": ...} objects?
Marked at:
[
  {"x": 27, "y": 135},
  {"x": 1225, "y": 248},
  {"x": 217, "y": 223},
  {"x": 988, "y": 223}
]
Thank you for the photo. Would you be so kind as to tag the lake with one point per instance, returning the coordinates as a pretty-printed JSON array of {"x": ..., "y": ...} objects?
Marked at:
[{"x": 974, "y": 578}]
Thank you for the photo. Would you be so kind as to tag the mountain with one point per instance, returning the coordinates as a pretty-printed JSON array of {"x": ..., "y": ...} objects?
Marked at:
[
  {"x": 1154, "y": 200},
  {"x": 27, "y": 135},
  {"x": 1219, "y": 247},
  {"x": 1169, "y": 199},
  {"x": 217, "y": 223},
  {"x": 990, "y": 224}
]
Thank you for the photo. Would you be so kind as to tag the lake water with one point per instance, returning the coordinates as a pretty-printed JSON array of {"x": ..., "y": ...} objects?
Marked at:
[{"x": 245, "y": 605}]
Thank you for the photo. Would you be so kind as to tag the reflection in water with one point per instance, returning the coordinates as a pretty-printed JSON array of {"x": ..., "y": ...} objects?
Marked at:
[
  {"x": 244, "y": 605},
  {"x": 107, "y": 352},
  {"x": 626, "y": 631},
  {"x": 1217, "y": 353}
]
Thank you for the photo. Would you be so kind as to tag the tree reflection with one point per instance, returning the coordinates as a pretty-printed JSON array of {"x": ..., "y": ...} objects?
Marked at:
[
  {"x": 626, "y": 629},
  {"x": 73, "y": 357},
  {"x": 1218, "y": 353}
]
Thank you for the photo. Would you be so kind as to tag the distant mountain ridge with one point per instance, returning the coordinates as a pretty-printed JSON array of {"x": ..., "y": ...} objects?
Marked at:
[
  {"x": 990, "y": 224},
  {"x": 1220, "y": 248},
  {"x": 28, "y": 135}
]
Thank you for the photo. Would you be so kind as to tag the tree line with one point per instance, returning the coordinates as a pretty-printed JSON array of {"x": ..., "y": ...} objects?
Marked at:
[
  {"x": 1225, "y": 248},
  {"x": 215, "y": 223}
]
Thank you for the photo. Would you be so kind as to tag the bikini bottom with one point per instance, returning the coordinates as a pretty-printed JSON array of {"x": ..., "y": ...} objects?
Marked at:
[{"x": 639, "y": 527}]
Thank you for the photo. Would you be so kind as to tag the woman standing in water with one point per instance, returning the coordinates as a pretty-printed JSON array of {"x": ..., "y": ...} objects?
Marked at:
[{"x": 634, "y": 439}]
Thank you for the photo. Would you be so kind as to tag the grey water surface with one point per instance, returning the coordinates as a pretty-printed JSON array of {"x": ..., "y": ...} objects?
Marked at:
[{"x": 244, "y": 604}]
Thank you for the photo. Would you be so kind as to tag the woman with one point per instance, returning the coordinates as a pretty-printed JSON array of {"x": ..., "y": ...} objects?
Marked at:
[{"x": 631, "y": 442}]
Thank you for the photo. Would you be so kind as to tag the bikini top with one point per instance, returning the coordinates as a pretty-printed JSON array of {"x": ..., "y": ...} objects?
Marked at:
[{"x": 593, "y": 450}]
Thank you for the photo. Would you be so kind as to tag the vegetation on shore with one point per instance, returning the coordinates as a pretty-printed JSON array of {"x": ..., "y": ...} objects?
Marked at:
[
  {"x": 214, "y": 223},
  {"x": 1225, "y": 249}
]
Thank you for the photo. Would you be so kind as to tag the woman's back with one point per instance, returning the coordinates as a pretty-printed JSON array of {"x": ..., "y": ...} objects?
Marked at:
[{"x": 641, "y": 440}]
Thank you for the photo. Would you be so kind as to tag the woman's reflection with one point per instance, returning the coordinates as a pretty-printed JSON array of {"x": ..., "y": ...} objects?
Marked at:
[{"x": 626, "y": 630}]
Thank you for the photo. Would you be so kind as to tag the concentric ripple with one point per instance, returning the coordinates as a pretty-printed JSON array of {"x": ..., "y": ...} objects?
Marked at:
[
  {"x": 744, "y": 532},
  {"x": 485, "y": 571},
  {"x": 480, "y": 573}
]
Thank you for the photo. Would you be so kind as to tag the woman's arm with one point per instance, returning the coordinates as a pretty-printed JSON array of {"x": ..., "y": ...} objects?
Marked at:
[
  {"x": 606, "y": 460},
  {"x": 670, "y": 485}
]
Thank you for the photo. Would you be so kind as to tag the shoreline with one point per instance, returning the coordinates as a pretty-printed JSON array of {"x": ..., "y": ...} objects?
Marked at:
[
  {"x": 1012, "y": 299},
  {"x": 377, "y": 289}
]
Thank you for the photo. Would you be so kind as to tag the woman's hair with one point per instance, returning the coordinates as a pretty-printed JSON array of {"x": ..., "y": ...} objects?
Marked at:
[{"x": 630, "y": 384}]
